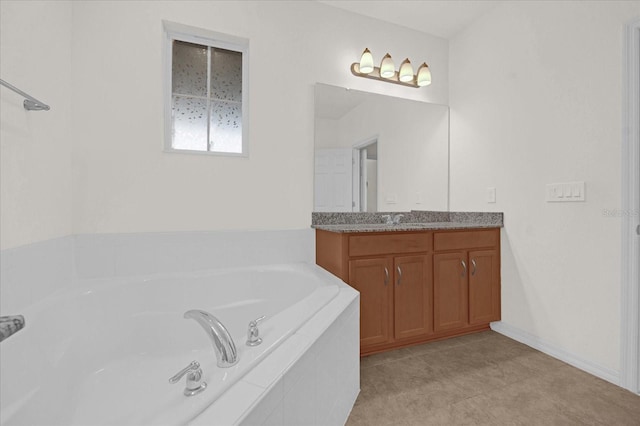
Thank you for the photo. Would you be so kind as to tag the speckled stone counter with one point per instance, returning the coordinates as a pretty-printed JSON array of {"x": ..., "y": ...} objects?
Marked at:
[
  {"x": 411, "y": 221},
  {"x": 10, "y": 325}
]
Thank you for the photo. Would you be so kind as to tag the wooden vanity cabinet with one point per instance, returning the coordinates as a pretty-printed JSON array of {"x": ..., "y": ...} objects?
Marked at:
[
  {"x": 466, "y": 278},
  {"x": 416, "y": 286},
  {"x": 395, "y": 297},
  {"x": 484, "y": 286},
  {"x": 450, "y": 295},
  {"x": 394, "y": 275},
  {"x": 371, "y": 278},
  {"x": 413, "y": 292}
]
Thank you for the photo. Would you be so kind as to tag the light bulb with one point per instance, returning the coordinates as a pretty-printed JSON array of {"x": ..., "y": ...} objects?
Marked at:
[
  {"x": 366, "y": 62},
  {"x": 424, "y": 75},
  {"x": 406, "y": 71},
  {"x": 387, "y": 69}
]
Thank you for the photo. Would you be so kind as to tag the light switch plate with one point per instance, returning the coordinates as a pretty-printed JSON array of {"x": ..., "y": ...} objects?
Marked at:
[
  {"x": 491, "y": 194},
  {"x": 565, "y": 192}
]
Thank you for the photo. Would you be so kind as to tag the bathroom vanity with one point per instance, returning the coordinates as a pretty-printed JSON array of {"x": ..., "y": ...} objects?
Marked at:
[{"x": 417, "y": 282}]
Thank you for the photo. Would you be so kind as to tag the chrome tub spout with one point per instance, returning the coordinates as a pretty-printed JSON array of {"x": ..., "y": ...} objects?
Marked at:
[{"x": 223, "y": 345}]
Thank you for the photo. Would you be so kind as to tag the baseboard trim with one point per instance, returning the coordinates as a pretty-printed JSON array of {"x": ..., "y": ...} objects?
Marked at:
[{"x": 528, "y": 339}]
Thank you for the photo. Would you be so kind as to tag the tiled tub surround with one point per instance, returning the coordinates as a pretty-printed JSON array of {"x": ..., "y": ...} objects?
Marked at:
[
  {"x": 311, "y": 379},
  {"x": 265, "y": 393},
  {"x": 414, "y": 220},
  {"x": 64, "y": 262}
]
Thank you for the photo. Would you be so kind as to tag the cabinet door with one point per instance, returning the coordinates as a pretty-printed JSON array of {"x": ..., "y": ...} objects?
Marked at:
[
  {"x": 413, "y": 312},
  {"x": 450, "y": 291},
  {"x": 373, "y": 279},
  {"x": 484, "y": 286}
]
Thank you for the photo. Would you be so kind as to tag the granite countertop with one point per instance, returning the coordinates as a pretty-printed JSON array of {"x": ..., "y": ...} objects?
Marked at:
[
  {"x": 380, "y": 227},
  {"x": 411, "y": 221}
]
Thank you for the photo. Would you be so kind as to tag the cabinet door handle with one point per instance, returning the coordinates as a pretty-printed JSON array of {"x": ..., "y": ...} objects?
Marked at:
[
  {"x": 386, "y": 276},
  {"x": 473, "y": 263},
  {"x": 464, "y": 268},
  {"x": 399, "y": 274}
]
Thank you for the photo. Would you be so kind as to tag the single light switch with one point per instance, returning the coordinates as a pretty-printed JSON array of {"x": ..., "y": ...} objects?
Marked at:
[{"x": 491, "y": 194}]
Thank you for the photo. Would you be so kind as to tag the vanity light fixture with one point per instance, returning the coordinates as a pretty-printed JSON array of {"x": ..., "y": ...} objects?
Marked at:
[
  {"x": 366, "y": 62},
  {"x": 405, "y": 73},
  {"x": 386, "y": 71},
  {"x": 424, "y": 75}
]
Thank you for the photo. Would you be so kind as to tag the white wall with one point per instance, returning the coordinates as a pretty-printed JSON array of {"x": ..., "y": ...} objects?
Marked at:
[
  {"x": 35, "y": 149},
  {"x": 535, "y": 99},
  {"x": 327, "y": 133},
  {"x": 123, "y": 182},
  {"x": 94, "y": 163}
]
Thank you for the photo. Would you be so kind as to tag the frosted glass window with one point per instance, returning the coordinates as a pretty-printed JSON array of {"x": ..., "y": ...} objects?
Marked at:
[
  {"x": 189, "y": 123},
  {"x": 189, "y": 69},
  {"x": 226, "y": 75},
  {"x": 226, "y": 125},
  {"x": 207, "y": 98}
]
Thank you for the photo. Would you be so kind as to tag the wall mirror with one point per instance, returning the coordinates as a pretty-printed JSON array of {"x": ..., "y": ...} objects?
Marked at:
[{"x": 379, "y": 153}]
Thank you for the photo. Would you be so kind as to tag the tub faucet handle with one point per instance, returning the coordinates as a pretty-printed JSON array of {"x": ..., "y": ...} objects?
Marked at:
[
  {"x": 253, "y": 334},
  {"x": 195, "y": 385}
]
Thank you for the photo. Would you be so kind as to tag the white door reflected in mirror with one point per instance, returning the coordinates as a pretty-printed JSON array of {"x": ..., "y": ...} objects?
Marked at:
[{"x": 332, "y": 190}]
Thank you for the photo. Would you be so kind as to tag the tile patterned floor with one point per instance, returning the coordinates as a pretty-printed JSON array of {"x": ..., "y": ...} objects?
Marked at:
[{"x": 484, "y": 379}]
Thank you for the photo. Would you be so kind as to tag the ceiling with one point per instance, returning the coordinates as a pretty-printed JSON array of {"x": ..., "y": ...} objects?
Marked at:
[{"x": 440, "y": 18}]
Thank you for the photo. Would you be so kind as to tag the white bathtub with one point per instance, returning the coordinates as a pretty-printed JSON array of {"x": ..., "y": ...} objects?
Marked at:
[{"x": 102, "y": 352}]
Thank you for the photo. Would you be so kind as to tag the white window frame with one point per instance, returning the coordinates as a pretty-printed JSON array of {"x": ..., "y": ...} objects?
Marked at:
[{"x": 174, "y": 31}]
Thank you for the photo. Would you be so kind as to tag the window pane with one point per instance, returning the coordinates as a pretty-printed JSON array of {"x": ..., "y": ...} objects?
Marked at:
[
  {"x": 226, "y": 127},
  {"x": 189, "y": 123},
  {"x": 226, "y": 75},
  {"x": 189, "y": 69}
]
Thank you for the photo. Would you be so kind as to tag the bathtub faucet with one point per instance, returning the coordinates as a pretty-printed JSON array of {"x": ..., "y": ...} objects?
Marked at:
[{"x": 223, "y": 345}]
